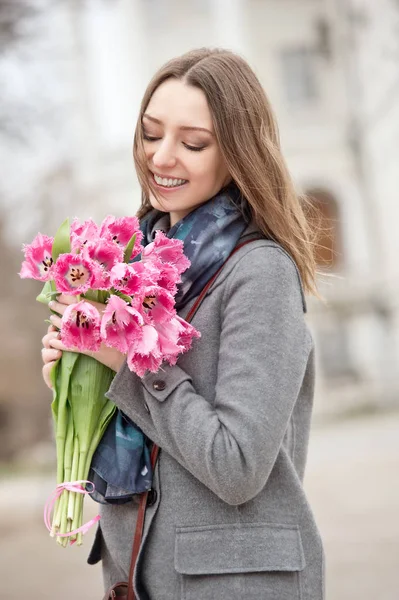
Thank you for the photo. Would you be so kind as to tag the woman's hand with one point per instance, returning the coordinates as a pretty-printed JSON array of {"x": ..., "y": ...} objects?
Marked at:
[
  {"x": 53, "y": 346},
  {"x": 49, "y": 354}
]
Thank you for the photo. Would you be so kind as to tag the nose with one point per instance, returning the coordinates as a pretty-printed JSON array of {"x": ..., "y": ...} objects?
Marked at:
[{"x": 164, "y": 156}]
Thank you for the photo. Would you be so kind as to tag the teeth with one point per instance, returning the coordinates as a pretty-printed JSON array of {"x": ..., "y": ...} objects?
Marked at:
[{"x": 168, "y": 182}]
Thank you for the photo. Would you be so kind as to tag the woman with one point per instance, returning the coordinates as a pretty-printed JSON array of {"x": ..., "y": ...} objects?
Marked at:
[{"x": 229, "y": 518}]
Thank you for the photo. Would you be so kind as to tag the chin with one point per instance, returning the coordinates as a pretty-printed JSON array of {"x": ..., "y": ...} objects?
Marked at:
[{"x": 155, "y": 203}]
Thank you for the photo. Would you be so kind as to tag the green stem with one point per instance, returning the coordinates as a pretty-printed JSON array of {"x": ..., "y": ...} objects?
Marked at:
[
  {"x": 54, "y": 527},
  {"x": 78, "y": 510},
  {"x": 60, "y": 408},
  {"x": 56, "y": 517},
  {"x": 63, "y": 524},
  {"x": 74, "y": 477},
  {"x": 78, "y": 521},
  {"x": 68, "y": 450}
]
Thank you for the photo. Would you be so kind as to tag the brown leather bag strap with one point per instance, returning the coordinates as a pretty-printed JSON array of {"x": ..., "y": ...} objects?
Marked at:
[
  {"x": 138, "y": 534},
  {"x": 202, "y": 295}
]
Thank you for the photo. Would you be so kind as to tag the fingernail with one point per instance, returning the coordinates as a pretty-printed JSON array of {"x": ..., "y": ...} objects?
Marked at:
[{"x": 51, "y": 303}]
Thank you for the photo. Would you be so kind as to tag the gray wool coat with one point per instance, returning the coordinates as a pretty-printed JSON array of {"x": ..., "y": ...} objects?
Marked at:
[{"x": 231, "y": 520}]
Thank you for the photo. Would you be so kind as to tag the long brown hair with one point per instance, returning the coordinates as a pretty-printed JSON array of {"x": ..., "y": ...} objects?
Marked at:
[{"x": 247, "y": 134}]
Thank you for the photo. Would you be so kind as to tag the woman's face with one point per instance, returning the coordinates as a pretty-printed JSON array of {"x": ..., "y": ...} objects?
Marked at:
[{"x": 185, "y": 162}]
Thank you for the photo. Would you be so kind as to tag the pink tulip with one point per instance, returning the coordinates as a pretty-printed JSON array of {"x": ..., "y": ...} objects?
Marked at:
[
  {"x": 168, "y": 336},
  {"x": 106, "y": 254},
  {"x": 175, "y": 337},
  {"x": 38, "y": 263},
  {"x": 157, "y": 304},
  {"x": 169, "y": 278},
  {"x": 145, "y": 355},
  {"x": 127, "y": 278},
  {"x": 150, "y": 271},
  {"x": 121, "y": 325},
  {"x": 186, "y": 333},
  {"x": 82, "y": 233},
  {"x": 80, "y": 327},
  {"x": 73, "y": 274},
  {"x": 121, "y": 230},
  {"x": 169, "y": 250}
]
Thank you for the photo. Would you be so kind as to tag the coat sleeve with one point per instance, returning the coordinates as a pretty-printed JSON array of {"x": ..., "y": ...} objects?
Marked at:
[{"x": 231, "y": 446}]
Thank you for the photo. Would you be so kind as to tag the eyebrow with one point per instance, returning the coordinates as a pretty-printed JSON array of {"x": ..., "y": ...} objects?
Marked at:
[{"x": 183, "y": 127}]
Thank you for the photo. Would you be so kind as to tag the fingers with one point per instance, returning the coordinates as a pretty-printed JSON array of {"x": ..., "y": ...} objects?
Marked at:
[
  {"x": 60, "y": 304},
  {"x": 46, "y": 374},
  {"x": 66, "y": 299},
  {"x": 52, "y": 334},
  {"x": 57, "y": 344},
  {"x": 52, "y": 344},
  {"x": 57, "y": 307},
  {"x": 56, "y": 321},
  {"x": 52, "y": 347},
  {"x": 49, "y": 355}
]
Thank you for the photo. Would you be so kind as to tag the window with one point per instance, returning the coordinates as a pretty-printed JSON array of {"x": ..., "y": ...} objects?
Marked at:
[{"x": 298, "y": 68}]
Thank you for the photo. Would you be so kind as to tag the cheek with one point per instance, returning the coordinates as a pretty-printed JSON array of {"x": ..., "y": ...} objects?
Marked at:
[
  {"x": 147, "y": 151},
  {"x": 207, "y": 168}
]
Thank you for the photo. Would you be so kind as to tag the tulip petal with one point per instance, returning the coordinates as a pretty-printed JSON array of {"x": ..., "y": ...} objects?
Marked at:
[
  {"x": 73, "y": 274},
  {"x": 80, "y": 326},
  {"x": 169, "y": 250},
  {"x": 121, "y": 325},
  {"x": 38, "y": 263},
  {"x": 121, "y": 230}
]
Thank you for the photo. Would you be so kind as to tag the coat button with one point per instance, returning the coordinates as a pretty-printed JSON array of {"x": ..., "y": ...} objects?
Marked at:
[
  {"x": 152, "y": 497},
  {"x": 159, "y": 385}
]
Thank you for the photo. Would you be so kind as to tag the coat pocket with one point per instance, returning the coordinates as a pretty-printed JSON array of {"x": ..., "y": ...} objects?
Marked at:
[{"x": 254, "y": 560}]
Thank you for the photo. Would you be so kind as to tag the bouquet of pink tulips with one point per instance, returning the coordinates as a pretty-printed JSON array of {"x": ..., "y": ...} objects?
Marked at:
[{"x": 94, "y": 263}]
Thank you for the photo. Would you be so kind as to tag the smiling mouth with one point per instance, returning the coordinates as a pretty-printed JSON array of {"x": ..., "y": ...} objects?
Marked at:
[{"x": 168, "y": 182}]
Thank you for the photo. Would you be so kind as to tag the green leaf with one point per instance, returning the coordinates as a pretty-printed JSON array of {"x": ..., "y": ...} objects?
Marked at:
[
  {"x": 48, "y": 293},
  {"x": 95, "y": 295},
  {"x": 102, "y": 296},
  {"x": 89, "y": 383},
  {"x": 62, "y": 242},
  {"x": 129, "y": 249},
  {"x": 54, "y": 379},
  {"x": 124, "y": 297},
  {"x": 60, "y": 377},
  {"x": 43, "y": 296},
  {"x": 52, "y": 295}
]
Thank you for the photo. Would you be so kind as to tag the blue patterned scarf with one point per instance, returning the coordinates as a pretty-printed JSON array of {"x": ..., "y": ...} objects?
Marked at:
[{"x": 121, "y": 464}]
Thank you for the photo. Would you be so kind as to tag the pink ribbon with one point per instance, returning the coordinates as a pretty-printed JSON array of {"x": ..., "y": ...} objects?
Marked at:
[{"x": 72, "y": 486}]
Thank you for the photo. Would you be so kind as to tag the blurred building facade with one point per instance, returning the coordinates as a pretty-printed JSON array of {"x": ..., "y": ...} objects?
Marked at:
[
  {"x": 330, "y": 68},
  {"x": 333, "y": 75}
]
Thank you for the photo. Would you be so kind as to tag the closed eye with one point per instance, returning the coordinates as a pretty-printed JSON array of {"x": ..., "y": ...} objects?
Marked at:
[
  {"x": 150, "y": 138},
  {"x": 194, "y": 148}
]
